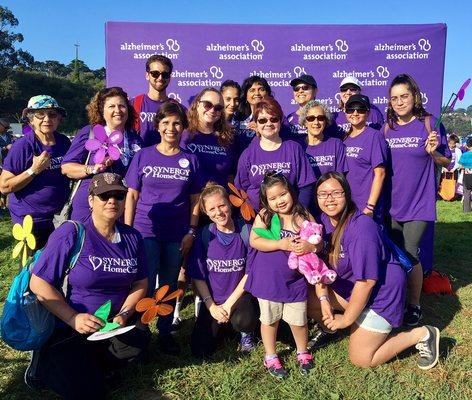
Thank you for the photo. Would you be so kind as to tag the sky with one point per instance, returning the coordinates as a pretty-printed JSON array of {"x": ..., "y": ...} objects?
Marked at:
[{"x": 51, "y": 28}]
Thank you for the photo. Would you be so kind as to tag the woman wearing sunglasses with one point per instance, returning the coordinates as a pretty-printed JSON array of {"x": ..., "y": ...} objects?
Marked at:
[
  {"x": 366, "y": 155},
  {"x": 31, "y": 171},
  {"x": 109, "y": 107},
  {"x": 304, "y": 90},
  {"x": 350, "y": 86},
  {"x": 211, "y": 138},
  {"x": 111, "y": 266},
  {"x": 268, "y": 152}
]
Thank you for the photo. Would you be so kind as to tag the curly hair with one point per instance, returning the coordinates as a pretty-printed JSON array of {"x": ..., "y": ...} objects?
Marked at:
[
  {"x": 312, "y": 104},
  {"x": 418, "y": 109},
  {"x": 97, "y": 104},
  {"x": 223, "y": 131}
]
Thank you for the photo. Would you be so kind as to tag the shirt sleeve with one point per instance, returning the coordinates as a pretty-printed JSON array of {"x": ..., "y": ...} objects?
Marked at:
[
  {"x": 241, "y": 180},
  {"x": 133, "y": 177},
  {"x": 197, "y": 261},
  {"x": 196, "y": 179},
  {"x": 77, "y": 152},
  {"x": 19, "y": 158},
  {"x": 341, "y": 162},
  {"x": 378, "y": 156},
  {"x": 377, "y": 118},
  {"x": 305, "y": 175}
]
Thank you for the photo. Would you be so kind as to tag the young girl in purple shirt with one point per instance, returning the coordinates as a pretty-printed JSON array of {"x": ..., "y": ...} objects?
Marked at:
[{"x": 281, "y": 291}]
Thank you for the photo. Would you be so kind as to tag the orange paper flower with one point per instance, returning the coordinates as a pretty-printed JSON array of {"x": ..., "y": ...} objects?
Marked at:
[
  {"x": 152, "y": 307},
  {"x": 241, "y": 199}
]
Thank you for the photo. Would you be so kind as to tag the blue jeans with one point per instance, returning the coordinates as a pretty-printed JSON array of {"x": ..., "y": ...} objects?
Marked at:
[{"x": 164, "y": 262}]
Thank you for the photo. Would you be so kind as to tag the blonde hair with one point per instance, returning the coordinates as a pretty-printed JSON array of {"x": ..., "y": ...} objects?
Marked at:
[{"x": 210, "y": 189}]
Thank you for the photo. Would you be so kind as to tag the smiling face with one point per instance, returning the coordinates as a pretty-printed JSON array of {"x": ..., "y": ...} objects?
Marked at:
[
  {"x": 357, "y": 115},
  {"x": 231, "y": 100},
  {"x": 402, "y": 100},
  {"x": 160, "y": 83},
  {"x": 218, "y": 210},
  {"x": 268, "y": 125},
  {"x": 207, "y": 114},
  {"x": 45, "y": 122},
  {"x": 316, "y": 127},
  {"x": 303, "y": 93},
  {"x": 347, "y": 91},
  {"x": 115, "y": 112},
  {"x": 335, "y": 202},
  {"x": 170, "y": 128},
  {"x": 255, "y": 94},
  {"x": 279, "y": 199}
]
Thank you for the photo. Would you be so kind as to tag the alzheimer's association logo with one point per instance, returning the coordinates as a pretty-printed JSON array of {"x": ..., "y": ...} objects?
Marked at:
[
  {"x": 173, "y": 45},
  {"x": 175, "y": 96},
  {"x": 383, "y": 72},
  {"x": 257, "y": 45},
  {"x": 299, "y": 71},
  {"x": 424, "y": 44},
  {"x": 341, "y": 45},
  {"x": 216, "y": 72}
]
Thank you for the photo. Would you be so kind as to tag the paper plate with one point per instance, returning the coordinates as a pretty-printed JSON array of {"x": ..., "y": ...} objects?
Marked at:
[{"x": 106, "y": 335}]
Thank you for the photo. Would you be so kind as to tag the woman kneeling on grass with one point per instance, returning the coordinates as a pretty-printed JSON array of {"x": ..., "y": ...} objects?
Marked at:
[
  {"x": 371, "y": 285},
  {"x": 217, "y": 266}
]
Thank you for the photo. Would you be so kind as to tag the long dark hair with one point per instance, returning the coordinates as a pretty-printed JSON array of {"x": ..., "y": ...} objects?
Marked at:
[
  {"x": 418, "y": 109},
  {"x": 244, "y": 109},
  {"x": 272, "y": 178},
  {"x": 349, "y": 209}
]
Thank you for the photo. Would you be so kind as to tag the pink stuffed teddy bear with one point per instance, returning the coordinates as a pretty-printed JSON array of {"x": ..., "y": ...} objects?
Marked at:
[{"x": 309, "y": 264}]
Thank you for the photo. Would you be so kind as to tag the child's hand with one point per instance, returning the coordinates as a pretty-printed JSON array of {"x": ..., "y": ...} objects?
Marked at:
[
  {"x": 286, "y": 244},
  {"x": 302, "y": 247}
]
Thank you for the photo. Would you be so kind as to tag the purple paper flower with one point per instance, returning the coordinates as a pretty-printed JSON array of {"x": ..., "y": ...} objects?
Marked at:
[
  {"x": 104, "y": 145},
  {"x": 461, "y": 93}
]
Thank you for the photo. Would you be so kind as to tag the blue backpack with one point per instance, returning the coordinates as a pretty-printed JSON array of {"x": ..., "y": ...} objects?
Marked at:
[{"x": 26, "y": 324}]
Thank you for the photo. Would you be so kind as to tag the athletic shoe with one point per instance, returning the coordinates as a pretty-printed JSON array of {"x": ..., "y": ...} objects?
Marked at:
[
  {"x": 168, "y": 345},
  {"x": 275, "y": 368},
  {"x": 429, "y": 349},
  {"x": 320, "y": 338},
  {"x": 31, "y": 379},
  {"x": 247, "y": 343},
  {"x": 412, "y": 315},
  {"x": 306, "y": 362}
]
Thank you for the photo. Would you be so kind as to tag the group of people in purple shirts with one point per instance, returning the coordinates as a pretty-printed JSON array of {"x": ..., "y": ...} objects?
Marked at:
[{"x": 165, "y": 204}]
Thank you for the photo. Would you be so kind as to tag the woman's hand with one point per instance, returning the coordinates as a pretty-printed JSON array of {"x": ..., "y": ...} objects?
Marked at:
[
  {"x": 186, "y": 244},
  {"x": 85, "y": 323},
  {"x": 121, "y": 319},
  {"x": 336, "y": 322},
  {"x": 301, "y": 247},
  {"x": 227, "y": 306},
  {"x": 432, "y": 142},
  {"x": 41, "y": 162},
  {"x": 368, "y": 212},
  {"x": 219, "y": 313}
]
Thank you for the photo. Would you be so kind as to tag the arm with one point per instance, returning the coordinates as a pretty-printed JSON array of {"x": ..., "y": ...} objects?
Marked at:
[
  {"x": 132, "y": 198},
  {"x": 137, "y": 292},
  {"x": 432, "y": 143},
  {"x": 81, "y": 171},
  {"x": 216, "y": 311},
  {"x": 321, "y": 292},
  {"x": 262, "y": 244},
  {"x": 234, "y": 297},
  {"x": 375, "y": 189},
  {"x": 187, "y": 240}
]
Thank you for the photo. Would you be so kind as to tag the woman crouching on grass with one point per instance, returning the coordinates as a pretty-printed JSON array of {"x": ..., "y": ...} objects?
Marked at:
[
  {"x": 217, "y": 266},
  {"x": 371, "y": 285}
]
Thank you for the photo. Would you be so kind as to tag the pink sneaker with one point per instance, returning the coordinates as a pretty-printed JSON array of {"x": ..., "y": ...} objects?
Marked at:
[
  {"x": 275, "y": 368},
  {"x": 306, "y": 362}
]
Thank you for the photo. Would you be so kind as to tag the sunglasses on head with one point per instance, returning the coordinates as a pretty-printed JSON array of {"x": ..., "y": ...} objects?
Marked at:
[
  {"x": 263, "y": 121},
  {"x": 156, "y": 74},
  {"x": 120, "y": 196},
  {"x": 359, "y": 110},
  {"x": 301, "y": 87},
  {"x": 311, "y": 118},
  {"x": 208, "y": 105}
]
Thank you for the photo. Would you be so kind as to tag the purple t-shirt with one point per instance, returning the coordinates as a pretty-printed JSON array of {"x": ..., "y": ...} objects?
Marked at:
[
  {"x": 327, "y": 156},
  {"x": 243, "y": 134},
  {"x": 455, "y": 157},
  {"x": 165, "y": 184},
  {"x": 289, "y": 159},
  {"x": 365, "y": 256},
  {"x": 270, "y": 278},
  {"x": 364, "y": 153},
  {"x": 293, "y": 122},
  {"x": 146, "y": 116},
  {"x": 104, "y": 270},
  {"x": 221, "y": 266},
  {"x": 217, "y": 162},
  {"x": 47, "y": 193},
  {"x": 77, "y": 153},
  {"x": 413, "y": 181},
  {"x": 375, "y": 121}
]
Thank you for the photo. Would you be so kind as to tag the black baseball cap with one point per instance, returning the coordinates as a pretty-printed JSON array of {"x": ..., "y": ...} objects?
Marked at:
[
  {"x": 106, "y": 182},
  {"x": 359, "y": 99},
  {"x": 308, "y": 79}
]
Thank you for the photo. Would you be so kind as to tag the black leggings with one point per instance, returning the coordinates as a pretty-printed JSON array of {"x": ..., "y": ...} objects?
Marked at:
[
  {"x": 408, "y": 236},
  {"x": 244, "y": 318}
]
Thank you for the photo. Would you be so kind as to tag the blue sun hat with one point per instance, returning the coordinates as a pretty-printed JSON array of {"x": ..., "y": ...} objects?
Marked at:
[{"x": 42, "y": 102}]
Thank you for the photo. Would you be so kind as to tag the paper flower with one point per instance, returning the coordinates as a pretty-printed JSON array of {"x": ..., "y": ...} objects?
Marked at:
[
  {"x": 25, "y": 237},
  {"x": 460, "y": 93},
  {"x": 241, "y": 199},
  {"x": 104, "y": 145},
  {"x": 274, "y": 232},
  {"x": 456, "y": 96},
  {"x": 102, "y": 313},
  {"x": 152, "y": 307}
]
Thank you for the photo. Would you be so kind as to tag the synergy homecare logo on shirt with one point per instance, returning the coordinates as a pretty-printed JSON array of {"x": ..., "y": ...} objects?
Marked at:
[
  {"x": 261, "y": 169},
  {"x": 116, "y": 265},
  {"x": 155, "y": 171},
  {"x": 321, "y": 161},
  {"x": 353, "y": 151},
  {"x": 225, "y": 266},
  {"x": 207, "y": 149},
  {"x": 404, "y": 142}
]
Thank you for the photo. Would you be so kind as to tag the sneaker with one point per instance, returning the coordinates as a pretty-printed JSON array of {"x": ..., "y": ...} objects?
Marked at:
[
  {"x": 176, "y": 324},
  {"x": 168, "y": 345},
  {"x": 321, "y": 338},
  {"x": 275, "y": 368},
  {"x": 305, "y": 360},
  {"x": 247, "y": 343},
  {"x": 412, "y": 315},
  {"x": 429, "y": 349},
  {"x": 31, "y": 379}
]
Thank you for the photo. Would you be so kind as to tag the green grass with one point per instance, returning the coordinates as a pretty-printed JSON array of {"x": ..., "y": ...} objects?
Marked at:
[{"x": 230, "y": 376}]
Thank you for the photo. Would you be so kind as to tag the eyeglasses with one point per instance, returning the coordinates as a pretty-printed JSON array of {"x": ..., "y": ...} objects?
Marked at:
[
  {"x": 335, "y": 194},
  {"x": 120, "y": 196},
  {"x": 403, "y": 97},
  {"x": 208, "y": 105},
  {"x": 320, "y": 118},
  {"x": 301, "y": 87},
  {"x": 156, "y": 74},
  {"x": 42, "y": 114},
  {"x": 349, "y": 89},
  {"x": 263, "y": 121},
  {"x": 359, "y": 110}
]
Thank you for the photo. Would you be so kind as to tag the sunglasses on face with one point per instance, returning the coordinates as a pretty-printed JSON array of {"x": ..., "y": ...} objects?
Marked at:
[
  {"x": 263, "y": 121},
  {"x": 42, "y": 114},
  {"x": 311, "y": 118},
  {"x": 156, "y": 74},
  {"x": 359, "y": 110},
  {"x": 335, "y": 194},
  {"x": 350, "y": 89},
  {"x": 301, "y": 87},
  {"x": 208, "y": 105},
  {"x": 120, "y": 196}
]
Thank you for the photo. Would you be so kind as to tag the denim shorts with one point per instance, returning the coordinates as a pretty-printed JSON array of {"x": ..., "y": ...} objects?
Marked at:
[{"x": 373, "y": 322}]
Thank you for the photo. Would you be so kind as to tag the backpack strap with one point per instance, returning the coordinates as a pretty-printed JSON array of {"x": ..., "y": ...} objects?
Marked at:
[
  {"x": 79, "y": 244},
  {"x": 138, "y": 105},
  {"x": 427, "y": 123},
  {"x": 206, "y": 234},
  {"x": 243, "y": 231}
]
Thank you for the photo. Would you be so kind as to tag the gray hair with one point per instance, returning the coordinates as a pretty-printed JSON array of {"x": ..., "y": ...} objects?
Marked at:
[{"x": 312, "y": 104}]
